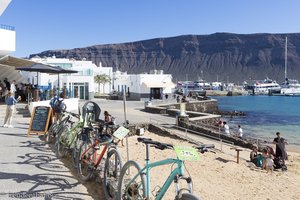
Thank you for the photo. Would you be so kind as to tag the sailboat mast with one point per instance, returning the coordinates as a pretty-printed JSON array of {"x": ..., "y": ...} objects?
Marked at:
[{"x": 285, "y": 62}]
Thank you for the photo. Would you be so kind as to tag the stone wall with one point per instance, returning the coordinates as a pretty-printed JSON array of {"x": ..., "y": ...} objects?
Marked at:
[
  {"x": 207, "y": 106},
  {"x": 214, "y": 133}
]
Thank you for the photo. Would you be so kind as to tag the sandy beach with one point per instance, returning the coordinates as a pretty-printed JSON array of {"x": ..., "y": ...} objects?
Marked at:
[
  {"x": 215, "y": 176},
  {"x": 218, "y": 176}
]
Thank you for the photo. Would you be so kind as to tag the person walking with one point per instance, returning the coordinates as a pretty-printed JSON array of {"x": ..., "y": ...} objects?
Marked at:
[
  {"x": 10, "y": 102},
  {"x": 280, "y": 151},
  {"x": 226, "y": 129},
  {"x": 240, "y": 131}
]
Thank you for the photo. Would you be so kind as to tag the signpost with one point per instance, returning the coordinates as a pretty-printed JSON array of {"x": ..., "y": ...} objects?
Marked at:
[{"x": 40, "y": 120}]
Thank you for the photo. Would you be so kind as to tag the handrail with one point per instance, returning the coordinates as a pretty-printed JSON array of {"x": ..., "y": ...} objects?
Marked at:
[
  {"x": 256, "y": 140},
  {"x": 7, "y": 27}
]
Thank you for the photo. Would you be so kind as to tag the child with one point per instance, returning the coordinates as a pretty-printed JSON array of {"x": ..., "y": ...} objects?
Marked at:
[{"x": 267, "y": 161}]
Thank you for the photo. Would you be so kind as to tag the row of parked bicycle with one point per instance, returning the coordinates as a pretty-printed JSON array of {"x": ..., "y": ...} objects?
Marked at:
[{"x": 84, "y": 135}]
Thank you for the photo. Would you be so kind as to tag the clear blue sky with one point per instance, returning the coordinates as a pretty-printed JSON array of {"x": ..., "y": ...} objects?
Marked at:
[{"x": 62, "y": 24}]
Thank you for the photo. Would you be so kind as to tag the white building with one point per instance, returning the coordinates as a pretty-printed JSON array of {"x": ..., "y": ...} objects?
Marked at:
[
  {"x": 143, "y": 86},
  {"x": 79, "y": 84},
  {"x": 7, "y": 46}
]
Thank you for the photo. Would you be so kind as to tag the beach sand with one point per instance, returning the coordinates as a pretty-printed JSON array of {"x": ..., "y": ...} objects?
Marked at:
[{"x": 218, "y": 176}]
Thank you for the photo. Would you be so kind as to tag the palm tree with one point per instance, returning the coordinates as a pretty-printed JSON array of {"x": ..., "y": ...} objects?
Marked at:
[{"x": 102, "y": 79}]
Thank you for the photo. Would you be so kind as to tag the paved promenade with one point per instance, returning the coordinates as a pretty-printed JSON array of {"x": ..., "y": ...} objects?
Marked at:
[{"x": 30, "y": 170}]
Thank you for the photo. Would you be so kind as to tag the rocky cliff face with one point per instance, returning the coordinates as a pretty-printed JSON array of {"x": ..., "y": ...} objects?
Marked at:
[{"x": 219, "y": 56}]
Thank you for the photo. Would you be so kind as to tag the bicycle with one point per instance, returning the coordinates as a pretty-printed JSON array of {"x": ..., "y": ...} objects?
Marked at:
[
  {"x": 137, "y": 186},
  {"x": 56, "y": 128},
  {"x": 89, "y": 161},
  {"x": 65, "y": 141}
]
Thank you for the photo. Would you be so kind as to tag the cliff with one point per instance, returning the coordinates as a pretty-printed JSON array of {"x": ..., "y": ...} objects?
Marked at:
[{"x": 222, "y": 56}]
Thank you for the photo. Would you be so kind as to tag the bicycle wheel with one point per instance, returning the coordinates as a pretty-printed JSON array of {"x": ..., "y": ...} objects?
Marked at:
[
  {"x": 112, "y": 169},
  {"x": 188, "y": 196},
  {"x": 61, "y": 140},
  {"x": 75, "y": 151},
  {"x": 135, "y": 190},
  {"x": 50, "y": 135},
  {"x": 85, "y": 167}
]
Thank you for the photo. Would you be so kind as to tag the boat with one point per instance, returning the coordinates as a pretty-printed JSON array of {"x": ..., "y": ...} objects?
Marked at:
[
  {"x": 290, "y": 87},
  {"x": 266, "y": 87}
]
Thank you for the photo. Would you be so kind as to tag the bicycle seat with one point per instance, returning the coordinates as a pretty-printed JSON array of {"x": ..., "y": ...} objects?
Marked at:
[
  {"x": 96, "y": 124},
  {"x": 104, "y": 139},
  {"x": 155, "y": 144}
]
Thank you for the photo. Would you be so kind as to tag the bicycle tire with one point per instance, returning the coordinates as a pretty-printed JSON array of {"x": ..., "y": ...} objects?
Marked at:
[
  {"x": 49, "y": 136},
  {"x": 188, "y": 196},
  {"x": 131, "y": 194},
  {"x": 112, "y": 170},
  {"x": 61, "y": 139},
  {"x": 75, "y": 151},
  {"x": 85, "y": 170}
]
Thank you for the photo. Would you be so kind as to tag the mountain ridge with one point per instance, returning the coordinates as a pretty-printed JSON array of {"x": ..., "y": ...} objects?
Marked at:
[{"x": 223, "y": 56}]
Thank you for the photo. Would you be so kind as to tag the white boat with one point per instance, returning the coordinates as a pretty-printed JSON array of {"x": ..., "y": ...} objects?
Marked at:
[
  {"x": 265, "y": 87},
  {"x": 290, "y": 87}
]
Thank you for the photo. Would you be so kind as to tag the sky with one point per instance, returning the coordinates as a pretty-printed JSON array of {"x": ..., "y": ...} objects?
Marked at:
[{"x": 65, "y": 24}]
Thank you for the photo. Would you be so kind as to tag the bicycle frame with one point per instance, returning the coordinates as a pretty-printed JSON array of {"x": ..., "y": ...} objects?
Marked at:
[
  {"x": 74, "y": 134},
  {"x": 178, "y": 171},
  {"x": 96, "y": 161}
]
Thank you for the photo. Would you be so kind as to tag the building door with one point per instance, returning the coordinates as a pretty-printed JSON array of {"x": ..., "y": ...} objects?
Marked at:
[
  {"x": 81, "y": 90},
  {"x": 156, "y": 93}
]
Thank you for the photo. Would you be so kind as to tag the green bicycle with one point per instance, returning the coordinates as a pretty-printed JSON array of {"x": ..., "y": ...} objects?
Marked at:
[
  {"x": 134, "y": 182},
  {"x": 67, "y": 139}
]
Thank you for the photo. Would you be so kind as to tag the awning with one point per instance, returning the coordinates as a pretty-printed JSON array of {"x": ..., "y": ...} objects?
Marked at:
[
  {"x": 10, "y": 61},
  {"x": 7, "y": 68},
  {"x": 159, "y": 84}
]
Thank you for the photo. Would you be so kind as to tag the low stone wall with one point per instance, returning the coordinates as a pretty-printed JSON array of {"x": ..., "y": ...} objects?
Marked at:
[
  {"x": 197, "y": 111},
  {"x": 208, "y": 106},
  {"x": 210, "y": 132},
  {"x": 205, "y": 106}
]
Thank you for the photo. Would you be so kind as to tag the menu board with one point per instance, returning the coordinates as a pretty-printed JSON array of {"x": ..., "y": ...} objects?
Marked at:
[{"x": 40, "y": 120}]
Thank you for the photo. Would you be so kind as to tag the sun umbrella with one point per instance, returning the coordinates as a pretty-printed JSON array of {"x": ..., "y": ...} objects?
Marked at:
[{"x": 38, "y": 67}]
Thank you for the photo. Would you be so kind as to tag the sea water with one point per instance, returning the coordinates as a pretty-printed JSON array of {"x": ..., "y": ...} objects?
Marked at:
[{"x": 265, "y": 115}]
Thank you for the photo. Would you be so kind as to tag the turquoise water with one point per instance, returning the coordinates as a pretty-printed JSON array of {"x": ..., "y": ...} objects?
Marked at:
[{"x": 265, "y": 115}]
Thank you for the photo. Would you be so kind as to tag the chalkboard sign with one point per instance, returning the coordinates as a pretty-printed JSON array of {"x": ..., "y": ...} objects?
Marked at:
[{"x": 40, "y": 120}]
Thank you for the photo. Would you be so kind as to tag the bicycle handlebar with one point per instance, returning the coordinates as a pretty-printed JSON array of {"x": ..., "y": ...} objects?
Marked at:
[
  {"x": 205, "y": 147},
  {"x": 73, "y": 114},
  {"x": 158, "y": 145}
]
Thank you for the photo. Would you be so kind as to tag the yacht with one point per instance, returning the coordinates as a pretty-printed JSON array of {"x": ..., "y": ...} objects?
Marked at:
[
  {"x": 265, "y": 87},
  {"x": 290, "y": 88}
]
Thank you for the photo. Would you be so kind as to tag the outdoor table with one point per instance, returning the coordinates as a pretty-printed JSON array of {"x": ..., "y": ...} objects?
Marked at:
[{"x": 238, "y": 153}]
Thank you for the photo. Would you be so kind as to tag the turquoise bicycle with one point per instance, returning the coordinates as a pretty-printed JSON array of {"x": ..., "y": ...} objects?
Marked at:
[{"x": 134, "y": 182}]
